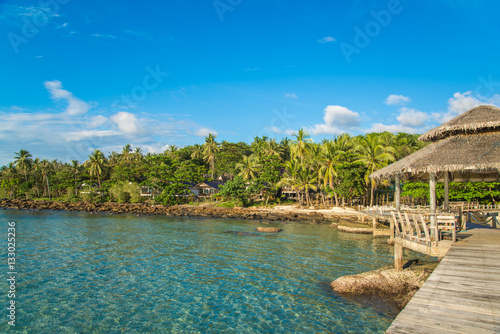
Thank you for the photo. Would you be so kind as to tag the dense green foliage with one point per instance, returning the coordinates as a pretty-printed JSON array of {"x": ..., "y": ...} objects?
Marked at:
[
  {"x": 334, "y": 171},
  {"x": 483, "y": 192}
]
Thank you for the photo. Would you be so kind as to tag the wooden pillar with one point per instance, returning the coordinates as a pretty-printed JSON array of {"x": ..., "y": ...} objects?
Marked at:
[
  {"x": 398, "y": 257},
  {"x": 446, "y": 192},
  {"x": 432, "y": 204},
  {"x": 397, "y": 195}
]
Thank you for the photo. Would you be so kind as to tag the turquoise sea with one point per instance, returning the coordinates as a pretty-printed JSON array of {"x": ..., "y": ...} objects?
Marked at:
[{"x": 87, "y": 273}]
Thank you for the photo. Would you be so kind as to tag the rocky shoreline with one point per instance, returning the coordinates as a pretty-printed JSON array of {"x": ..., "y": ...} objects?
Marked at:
[
  {"x": 399, "y": 286},
  {"x": 174, "y": 211}
]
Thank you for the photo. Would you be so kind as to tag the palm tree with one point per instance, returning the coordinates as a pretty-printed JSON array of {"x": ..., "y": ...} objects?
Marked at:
[
  {"x": 210, "y": 148},
  {"x": 301, "y": 144},
  {"x": 372, "y": 152},
  {"x": 95, "y": 165},
  {"x": 138, "y": 154},
  {"x": 290, "y": 178},
  {"x": 328, "y": 170},
  {"x": 23, "y": 161},
  {"x": 75, "y": 167},
  {"x": 306, "y": 180},
  {"x": 126, "y": 156},
  {"x": 248, "y": 168},
  {"x": 197, "y": 152},
  {"x": 285, "y": 149},
  {"x": 271, "y": 147},
  {"x": 46, "y": 168}
]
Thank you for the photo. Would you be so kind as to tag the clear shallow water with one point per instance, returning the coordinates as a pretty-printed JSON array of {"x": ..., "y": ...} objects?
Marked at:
[{"x": 82, "y": 273}]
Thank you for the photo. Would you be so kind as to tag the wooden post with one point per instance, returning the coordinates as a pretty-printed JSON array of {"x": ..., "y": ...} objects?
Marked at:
[
  {"x": 432, "y": 199},
  {"x": 391, "y": 239},
  {"x": 446, "y": 192},
  {"x": 374, "y": 223},
  {"x": 398, "y": 257},
  {"x": 397, "y": 195}
]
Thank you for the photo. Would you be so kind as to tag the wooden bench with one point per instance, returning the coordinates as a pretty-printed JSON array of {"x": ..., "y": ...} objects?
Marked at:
[{"x": 447, "y": 224}]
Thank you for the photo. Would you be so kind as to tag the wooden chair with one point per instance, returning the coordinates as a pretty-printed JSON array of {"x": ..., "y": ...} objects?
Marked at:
[{"x": 447, "y": 224}]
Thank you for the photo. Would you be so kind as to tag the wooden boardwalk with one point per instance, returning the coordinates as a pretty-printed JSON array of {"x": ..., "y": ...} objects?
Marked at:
[{"x": 462, "y": 295}]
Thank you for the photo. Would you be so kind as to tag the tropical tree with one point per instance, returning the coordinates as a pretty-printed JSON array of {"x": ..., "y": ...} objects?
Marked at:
[
  {"x": 373, "y": 154},
  {"x": 248, "y": 168},
  {"x": 75, "y": 168},
  {"x": 126, "y": 156},
  {"x": 210, "y": 149},
  {"x": 306, "y": 180},
  {"x": 46, "y": 168},
  {"x": 285, "y": 149},
  {"x": 96, "y": 164},
  {"x": 301, "y": 144},
  {"x": 23, "y": 162}
]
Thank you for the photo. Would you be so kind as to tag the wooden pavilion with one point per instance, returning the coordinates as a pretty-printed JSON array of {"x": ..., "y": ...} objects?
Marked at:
[{"x": 466, "y": 148}]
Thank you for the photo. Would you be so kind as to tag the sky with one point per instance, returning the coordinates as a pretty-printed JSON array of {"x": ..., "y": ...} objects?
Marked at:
[{"x": 83, "y": 75}]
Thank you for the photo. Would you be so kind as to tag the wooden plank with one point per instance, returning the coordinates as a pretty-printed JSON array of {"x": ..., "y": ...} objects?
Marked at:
[{"x": 462, "y": 295}]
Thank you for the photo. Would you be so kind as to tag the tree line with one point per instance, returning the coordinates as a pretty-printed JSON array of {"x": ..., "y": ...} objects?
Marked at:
[{"x": 333, "y": 171}]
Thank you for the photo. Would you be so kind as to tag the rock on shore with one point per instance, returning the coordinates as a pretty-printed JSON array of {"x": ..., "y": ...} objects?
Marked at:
[
  {"x": 179, "y": 210},
  {"x": 399, "y": 286}
]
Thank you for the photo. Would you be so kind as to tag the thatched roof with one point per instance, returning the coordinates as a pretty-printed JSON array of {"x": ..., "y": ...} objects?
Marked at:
[
  {"x": 482, "y": 118},
  {"x": 462, "y": 153}
]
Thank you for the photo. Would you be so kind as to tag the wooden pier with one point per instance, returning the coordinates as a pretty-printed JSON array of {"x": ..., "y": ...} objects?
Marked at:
[{"x": 462, "y": 295}]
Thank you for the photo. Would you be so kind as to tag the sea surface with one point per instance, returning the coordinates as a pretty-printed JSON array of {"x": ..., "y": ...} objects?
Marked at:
[{"x": 101, "y": 273}]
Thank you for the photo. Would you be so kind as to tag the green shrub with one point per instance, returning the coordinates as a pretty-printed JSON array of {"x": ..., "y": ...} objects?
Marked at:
[{"x": 126, "y": 192}]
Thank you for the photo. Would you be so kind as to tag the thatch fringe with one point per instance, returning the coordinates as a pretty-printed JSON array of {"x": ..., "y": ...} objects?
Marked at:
[
  {"x": 465, "y": 153},
  {"x": 476, "y": 120}
]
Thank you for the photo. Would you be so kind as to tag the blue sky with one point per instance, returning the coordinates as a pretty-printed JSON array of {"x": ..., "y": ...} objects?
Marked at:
[{"x": 81, "y": 75}]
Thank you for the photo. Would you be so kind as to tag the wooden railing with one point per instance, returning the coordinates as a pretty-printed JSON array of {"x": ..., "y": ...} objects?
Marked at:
[{"x": 415, "y": 227}]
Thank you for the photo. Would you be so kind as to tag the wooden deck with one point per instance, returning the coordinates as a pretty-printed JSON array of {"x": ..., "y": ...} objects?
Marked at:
[{"x": 462, "y": 295}]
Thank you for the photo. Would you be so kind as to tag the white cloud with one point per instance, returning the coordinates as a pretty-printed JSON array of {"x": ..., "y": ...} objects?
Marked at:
[
  {"x": 204, "y": 132},
  {"x": 98, "y": 121},
  {"x": 104, "y": 36},
  {"x": 393, "y": 128},
  {"x": 128, "y": 123},
  {"x": 412, "y": 117},
  {"x": 328, "y": 39},
  {"x": 274, "y": 129},
  {"x": 75, "y": 105},
  {"x": 291, "y": 96},
  {"x": 462, "y": 102},
  {"x": 394, "y": 99},
  {"x": 337, "y": 120}
]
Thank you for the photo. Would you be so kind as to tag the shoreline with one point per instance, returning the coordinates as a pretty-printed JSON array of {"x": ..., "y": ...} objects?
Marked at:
[{"x": 283, "y": 214}]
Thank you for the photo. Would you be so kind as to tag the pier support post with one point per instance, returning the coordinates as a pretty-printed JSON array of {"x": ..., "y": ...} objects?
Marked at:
[
  {"x": 397, "y": 195},
  {"x": 432, "y": 199},
  {"x": 446, "y": 192},
  {"x": 398, "y": 257}
]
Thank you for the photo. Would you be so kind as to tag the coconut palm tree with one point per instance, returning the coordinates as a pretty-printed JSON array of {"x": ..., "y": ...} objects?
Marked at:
[
  {"x": 300, "y": 146},
  {"x": 23, "y": 162},
  {"x": 285, "y": 149},
  {"x": 75, "y": 168},
  {"x": 126, "y": 156},
  {"x": 248, "y": 168},
  {"x": 96, "y": 164},
  {"x": 328, "y": 170},
  {"x": 372, "y": 152},
  {"x": 210, "y": 149},
  {"x": 46, "y": 168},
  {"x": 306, "y": 180}
]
